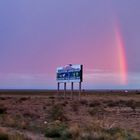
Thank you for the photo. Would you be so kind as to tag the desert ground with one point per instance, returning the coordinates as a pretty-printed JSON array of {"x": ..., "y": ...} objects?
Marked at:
[{"x": 47, "y": 115}]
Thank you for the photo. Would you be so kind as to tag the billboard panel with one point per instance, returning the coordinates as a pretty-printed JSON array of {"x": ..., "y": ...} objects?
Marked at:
[{"x": 70, "y": 73}]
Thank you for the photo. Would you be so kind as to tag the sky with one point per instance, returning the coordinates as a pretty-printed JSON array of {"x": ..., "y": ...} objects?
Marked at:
[{"x": 37, "y": 36}]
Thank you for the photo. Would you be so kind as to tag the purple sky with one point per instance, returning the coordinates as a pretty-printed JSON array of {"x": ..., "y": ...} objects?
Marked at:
[{"x": 37, "y": 36}]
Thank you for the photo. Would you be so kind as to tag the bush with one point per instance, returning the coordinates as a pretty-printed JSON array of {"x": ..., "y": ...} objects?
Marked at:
[
  {"x": 52, "y": 133},
  {"x": 84, "y": 102},
  {"x": 57, "y": 113},
  {"x": 118, "y": 133},
  {"x": 51, "y": 97},
  {"x": 110, "y": 134},
  {"x": 3, "y": 110},
  {"x": 92, "y": 112},
  {"x": 18, "y": 136},
  {"x": 94, "y": 104},
  {"x": 24, "y": 99},
  {"x": 75, "y": 106},
  {"x": 96, "y": 111},
  {"x": 132, "y": 104},
  {"x": 3, "y": 136},
  {"x": 56, "y": 129},
  {"x": 66, "y": 135},
  {"x": 64, "y": 103},
  {"x": 61, "y": 131},
  {"x": 14, "y": 136},
  {"x": 2, "y": 98},
  {"x": 111, "y": 103},
  {"x": 75, "y": 130}
]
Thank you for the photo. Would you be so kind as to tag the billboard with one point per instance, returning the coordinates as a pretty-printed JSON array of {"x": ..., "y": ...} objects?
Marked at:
[{"x": 70, "y": 73}]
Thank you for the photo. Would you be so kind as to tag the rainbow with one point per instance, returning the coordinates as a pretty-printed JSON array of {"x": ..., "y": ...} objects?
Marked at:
[{"x": 122, "y": 63}]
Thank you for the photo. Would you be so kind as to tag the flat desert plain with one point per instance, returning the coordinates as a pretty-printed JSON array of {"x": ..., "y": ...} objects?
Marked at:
[{"x": 47, "y": 115}]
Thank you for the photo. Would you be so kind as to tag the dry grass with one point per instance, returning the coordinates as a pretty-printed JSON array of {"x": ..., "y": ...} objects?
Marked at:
[
  {"x": 94, "y": 131},
  {"x": 93, "y": 117},
  {"x": 5, "y": 135}
]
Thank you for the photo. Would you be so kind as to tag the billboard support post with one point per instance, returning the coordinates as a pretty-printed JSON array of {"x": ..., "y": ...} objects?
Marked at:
[
  {"x": 65, "y": 90},
  {"x": 80, "y": 85},
  {"x": 58, "y": 87},
  {"x": 72, "y": 90}
]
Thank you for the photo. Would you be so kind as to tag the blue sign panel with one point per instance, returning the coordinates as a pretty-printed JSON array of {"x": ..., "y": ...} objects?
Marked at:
[{"x": 70, "y": 73}]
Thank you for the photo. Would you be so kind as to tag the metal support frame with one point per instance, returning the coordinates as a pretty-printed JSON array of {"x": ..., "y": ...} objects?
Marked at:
[
  {"x": 80, "y": 85},
  {"x": 58, "y": 87},
  {"x": 72, "y": 89},
  {"x": 65, "y": 84}
]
